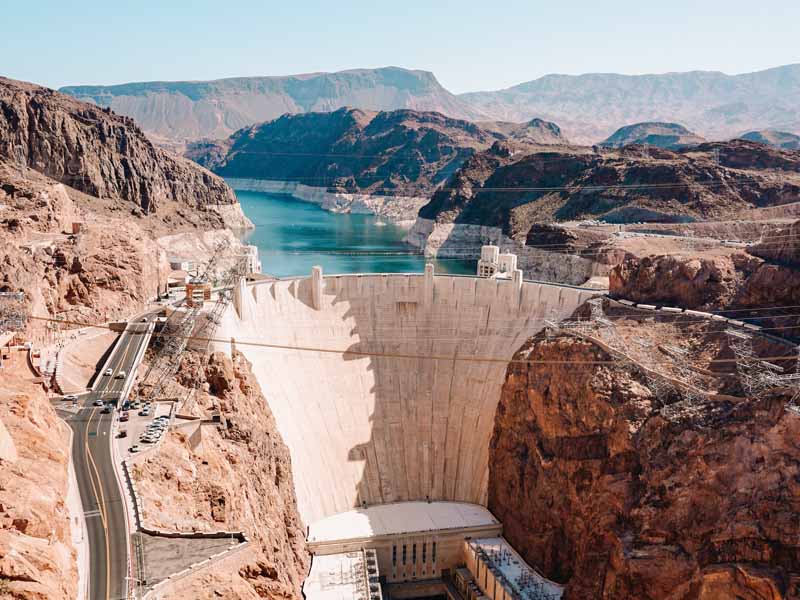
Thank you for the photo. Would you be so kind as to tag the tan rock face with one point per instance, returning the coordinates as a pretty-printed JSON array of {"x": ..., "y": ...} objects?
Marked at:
[
  {"x": 603, "y": 493},
  {"x": 781, "y": 246},
  {"x": 108, "y": 271},
  {"x": 37, "y": 560},
  {"x": 105, "y": 155},
  {"x": 237, "y": 477}
]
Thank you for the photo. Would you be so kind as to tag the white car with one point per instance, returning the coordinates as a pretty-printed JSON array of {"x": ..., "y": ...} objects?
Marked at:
[
  {"x": 98, "y": 402},
  {"x": 120, "y": 375},
  {"x": 70, "y": 398},
  {"x": 134, "y": 448},
  {"x": 107, "y": 372}
]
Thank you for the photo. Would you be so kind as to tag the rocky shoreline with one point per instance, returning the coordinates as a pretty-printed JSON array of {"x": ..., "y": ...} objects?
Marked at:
[
  {"x": 401, "y": 210},
  {"x": 460, "y": 240}
]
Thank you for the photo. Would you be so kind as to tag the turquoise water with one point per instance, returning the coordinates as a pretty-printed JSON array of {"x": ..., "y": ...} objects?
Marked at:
[{"x": 292, "y": 236}]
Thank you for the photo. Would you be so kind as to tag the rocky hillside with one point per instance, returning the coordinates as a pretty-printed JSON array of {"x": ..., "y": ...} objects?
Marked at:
[
  {"x": 590, "y": 107},
  {"x": 781, "y": 246},
  {"x": 733, "y": 281},
  {"x": 661, "y": 135},
  {"x": 235, "y": 477},
  {"x": 618, "y": 493},
  {"x": 513, "y": 190},
  {"x": 37, "y": 558},
  {"x": 401, "y": 152},
  {"x": 778, "y": 139},
  {"x": 112, "y": 269},
  {"x": 190, "y": 110},
  {"x": 107, "y": 156}
]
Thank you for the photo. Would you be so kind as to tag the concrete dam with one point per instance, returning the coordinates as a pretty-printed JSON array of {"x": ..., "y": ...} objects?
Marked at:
[
  {"x": 385, "y": 387},
  {"x": 410, "y": 419}
]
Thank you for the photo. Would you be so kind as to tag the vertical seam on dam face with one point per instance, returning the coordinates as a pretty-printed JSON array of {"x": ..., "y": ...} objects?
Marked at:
[{"x": 382, "y": 429}]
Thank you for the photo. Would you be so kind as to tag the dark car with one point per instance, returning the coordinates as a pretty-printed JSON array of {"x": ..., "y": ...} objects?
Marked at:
[{"x": 123, "y": 433}]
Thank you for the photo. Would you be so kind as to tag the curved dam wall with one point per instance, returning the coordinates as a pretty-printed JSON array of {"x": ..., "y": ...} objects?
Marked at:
[{"x": 411, "y": 421}]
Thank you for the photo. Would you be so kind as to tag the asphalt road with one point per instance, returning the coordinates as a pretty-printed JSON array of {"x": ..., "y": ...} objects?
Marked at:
[{"x": 103, "y": 505}]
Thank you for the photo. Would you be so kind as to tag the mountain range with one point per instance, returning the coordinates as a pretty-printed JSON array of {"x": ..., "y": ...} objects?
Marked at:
[{"x": 588, "y": 107}]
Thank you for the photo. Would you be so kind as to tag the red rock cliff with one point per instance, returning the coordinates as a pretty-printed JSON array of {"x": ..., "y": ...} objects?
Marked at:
[{"x": 603, "y": 493}]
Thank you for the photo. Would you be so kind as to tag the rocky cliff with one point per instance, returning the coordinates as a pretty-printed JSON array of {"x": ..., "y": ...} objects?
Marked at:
[
  {"x": 233, "y": 477},
  {"x": 109, "y": 270},
  {"x": 37, "y": 559},
  {"x": 620, "y": 494},
  {"x": 781, "y": 246},
  {"x": 729, "y": 280},
  {"x": 107, "y": 156},
  {"x": 513, "y": 190},
  {"x": 661, "y": 135},
  {"x": 190, "y": 110},
  {"x": 398, "y": 153}
]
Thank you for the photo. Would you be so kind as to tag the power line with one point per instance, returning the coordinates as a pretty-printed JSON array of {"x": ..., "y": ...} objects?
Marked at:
[{"x": 399, "y": 355}]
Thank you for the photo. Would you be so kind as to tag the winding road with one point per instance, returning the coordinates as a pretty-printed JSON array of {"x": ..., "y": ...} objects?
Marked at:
[{"x": 92, "y": 455}]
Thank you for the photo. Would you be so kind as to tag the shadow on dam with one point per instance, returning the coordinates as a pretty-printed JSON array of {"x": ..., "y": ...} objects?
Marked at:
[{"x": 407, "y": 412}]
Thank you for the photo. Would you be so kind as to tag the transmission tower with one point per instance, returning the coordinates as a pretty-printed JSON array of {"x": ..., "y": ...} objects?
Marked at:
[
  {"x": 793, "y": 380},
  {"x": 755, "y": 375}
]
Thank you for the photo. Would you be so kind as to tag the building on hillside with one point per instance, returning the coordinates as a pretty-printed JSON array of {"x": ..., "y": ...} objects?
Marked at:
[
  {"x": 178, "y": 263},
  {"x": 198, "y": 291}
]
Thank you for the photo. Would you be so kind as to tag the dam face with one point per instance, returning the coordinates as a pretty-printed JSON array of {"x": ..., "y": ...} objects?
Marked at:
[{"x": 407, "y": 415}]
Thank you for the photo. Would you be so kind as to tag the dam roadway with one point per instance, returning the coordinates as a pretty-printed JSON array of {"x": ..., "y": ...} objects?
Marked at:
[{"x": 93, "y": 460}]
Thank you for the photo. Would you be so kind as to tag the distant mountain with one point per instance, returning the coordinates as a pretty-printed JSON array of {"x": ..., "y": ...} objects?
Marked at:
[
  {"x": 191, "y": 110},
  {"x": 660, "y": 135},
  {"x": 778, "y": 139},
  {"x": 401, "y": 152},
  {"x": 590, "y": 107},
  {"x": 535, "y": 131}
]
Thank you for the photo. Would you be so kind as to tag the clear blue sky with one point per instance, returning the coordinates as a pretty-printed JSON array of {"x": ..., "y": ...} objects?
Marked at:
[{"x": 468, "y": 45}]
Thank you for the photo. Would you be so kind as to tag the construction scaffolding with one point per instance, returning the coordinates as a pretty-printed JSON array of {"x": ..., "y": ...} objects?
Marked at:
[{"x": 174, "y": 335}]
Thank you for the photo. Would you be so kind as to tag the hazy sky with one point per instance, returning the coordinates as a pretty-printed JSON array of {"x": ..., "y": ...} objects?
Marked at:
[{"x": 468, "y": 45}]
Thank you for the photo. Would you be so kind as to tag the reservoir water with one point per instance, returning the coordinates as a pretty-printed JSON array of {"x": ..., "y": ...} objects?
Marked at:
[{"x": 292, "y": 236}]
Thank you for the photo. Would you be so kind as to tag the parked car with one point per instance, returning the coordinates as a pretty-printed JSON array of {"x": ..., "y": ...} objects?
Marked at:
[
  {"x": 145, "y": 412},
  {"x": 70, "y": 398},
  {"x": 107, "y": 372},
  {"x": 125, "y": 416},
  {"x": 123, "y": 433},
  {"x": 134, "y": 448}
]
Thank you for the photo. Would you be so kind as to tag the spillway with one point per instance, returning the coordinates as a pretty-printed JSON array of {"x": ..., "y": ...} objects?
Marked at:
[{"x": 408, "y": 413}]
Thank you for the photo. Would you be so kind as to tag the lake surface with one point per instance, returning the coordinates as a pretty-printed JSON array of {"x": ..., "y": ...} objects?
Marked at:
[{"x": 292, "y": 236}]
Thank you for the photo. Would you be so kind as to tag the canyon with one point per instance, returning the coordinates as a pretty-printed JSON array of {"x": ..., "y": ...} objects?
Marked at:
[{"x": 328, "y": 416}]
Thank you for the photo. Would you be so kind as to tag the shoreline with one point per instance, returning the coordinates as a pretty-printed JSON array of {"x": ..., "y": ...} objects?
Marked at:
[{"x": 400, "y": 210}]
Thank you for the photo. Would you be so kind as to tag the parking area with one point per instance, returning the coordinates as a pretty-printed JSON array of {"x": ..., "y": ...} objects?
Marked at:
[{"x": 142, "y": 430}]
